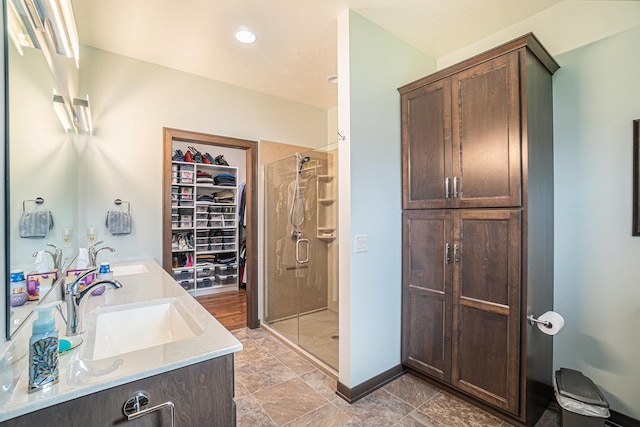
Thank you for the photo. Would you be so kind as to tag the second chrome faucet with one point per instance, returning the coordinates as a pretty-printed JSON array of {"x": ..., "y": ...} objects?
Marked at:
[
  {"x": 75, "y": 300},
  {"x": 93, "y": 252}
]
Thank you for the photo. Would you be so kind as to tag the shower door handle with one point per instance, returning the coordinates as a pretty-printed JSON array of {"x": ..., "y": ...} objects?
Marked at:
[{"x": 298, "y": 260}]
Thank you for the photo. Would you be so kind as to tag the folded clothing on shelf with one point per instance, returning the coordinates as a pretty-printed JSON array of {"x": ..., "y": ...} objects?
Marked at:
[
  {"x": 225, "y": 179},
  {"x": 223, "y": 196}
]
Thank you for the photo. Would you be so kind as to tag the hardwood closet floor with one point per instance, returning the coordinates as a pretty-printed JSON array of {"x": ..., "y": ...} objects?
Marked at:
[{"x": 230, "y": 308}]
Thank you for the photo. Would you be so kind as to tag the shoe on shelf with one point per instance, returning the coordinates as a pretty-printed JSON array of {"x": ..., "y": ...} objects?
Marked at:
[
  {"x": 178, "y": 156},
  {"x": 197, "y": 156},
  {"x": 188, "y": 157},
  {"x": 221, "y": 161}
]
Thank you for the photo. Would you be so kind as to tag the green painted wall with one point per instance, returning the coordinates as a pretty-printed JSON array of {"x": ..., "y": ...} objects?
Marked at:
[
  {"x": 597, "y": 262},
  {"x": 379, "y": 63}
]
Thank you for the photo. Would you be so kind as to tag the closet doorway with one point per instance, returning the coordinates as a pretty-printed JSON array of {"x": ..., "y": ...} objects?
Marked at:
[{"x": 250, "y": 148}]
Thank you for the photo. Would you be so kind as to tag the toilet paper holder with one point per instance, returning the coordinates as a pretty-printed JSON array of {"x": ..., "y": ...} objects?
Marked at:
[{"x": 532, "y": 321}]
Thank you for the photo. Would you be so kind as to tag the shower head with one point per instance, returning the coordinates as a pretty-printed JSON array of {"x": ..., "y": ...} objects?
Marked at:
[{"x": 301, "y": 160}]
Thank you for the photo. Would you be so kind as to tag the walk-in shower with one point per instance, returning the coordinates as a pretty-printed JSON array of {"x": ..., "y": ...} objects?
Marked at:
[{"x": 301, "y": 251}]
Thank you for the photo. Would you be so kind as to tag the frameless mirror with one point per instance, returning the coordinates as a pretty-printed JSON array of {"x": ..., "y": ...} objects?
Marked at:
[{"x": 42, "y": 157}]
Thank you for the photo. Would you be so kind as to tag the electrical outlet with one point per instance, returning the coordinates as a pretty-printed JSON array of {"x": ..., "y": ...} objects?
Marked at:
[{"x": 361, "y": 243}]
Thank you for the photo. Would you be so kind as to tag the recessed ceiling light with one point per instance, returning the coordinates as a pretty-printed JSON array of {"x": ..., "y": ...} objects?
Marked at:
[
  {"x": 245, "y": 36},
  {"x": 332, "y": 79}
]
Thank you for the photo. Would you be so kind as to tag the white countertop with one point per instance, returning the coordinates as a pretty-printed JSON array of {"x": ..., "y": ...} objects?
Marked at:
[{"x": 80, "y": 376}]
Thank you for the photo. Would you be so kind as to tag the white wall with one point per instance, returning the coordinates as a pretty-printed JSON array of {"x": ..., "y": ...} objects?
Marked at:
[
  {"x": 131, "y": 102},
  {"x": 563, "y": 27},
  {"x": 597, "y": 268},
  {"x": 370, "y": 193}
]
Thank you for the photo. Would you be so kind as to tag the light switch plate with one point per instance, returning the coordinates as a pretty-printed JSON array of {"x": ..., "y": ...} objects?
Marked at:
[{"x": 361, "y": 243}]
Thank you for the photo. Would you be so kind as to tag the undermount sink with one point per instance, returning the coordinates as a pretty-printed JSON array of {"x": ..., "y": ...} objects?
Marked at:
[
  {"x": 131, "y": 327},
  {"x": 125, "y": 270}
]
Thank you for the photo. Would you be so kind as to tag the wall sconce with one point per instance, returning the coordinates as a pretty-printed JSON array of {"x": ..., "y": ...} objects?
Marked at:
[
  {"x": 20, "y": 28},
  {"x": 55, "y": 18},
  {"x": 83, "y": 115},
  {"x": 60, "y": 107}
]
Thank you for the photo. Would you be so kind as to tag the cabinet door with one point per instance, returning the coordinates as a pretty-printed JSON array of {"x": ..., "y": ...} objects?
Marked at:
[
  {"x": 426, "y": 146},
  {"x": 486, "y": 134},
  {"x": 486, "y": 306},
  {"x": 426, "y": 335}
]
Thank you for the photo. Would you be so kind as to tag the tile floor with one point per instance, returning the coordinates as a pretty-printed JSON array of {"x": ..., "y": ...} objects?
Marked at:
[{"x": 277, "y": 387}]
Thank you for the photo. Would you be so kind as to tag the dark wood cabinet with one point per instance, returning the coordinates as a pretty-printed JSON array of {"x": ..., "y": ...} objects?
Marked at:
[
  {"x": 427, "y": 291},
  {"x": 461, "y": 139},
  {"x": 478, "y": 227},
  {"x": 202, "y": 394}
]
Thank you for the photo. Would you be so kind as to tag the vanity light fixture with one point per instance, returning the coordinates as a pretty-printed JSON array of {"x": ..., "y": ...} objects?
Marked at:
[
  {"x": 83, "y": 115},
  {"x": 17, "y": 23},
  {"x": 60, "y": 107},
  {"x": 245, "y": 36},
  {"x": 63, "y": 32}
]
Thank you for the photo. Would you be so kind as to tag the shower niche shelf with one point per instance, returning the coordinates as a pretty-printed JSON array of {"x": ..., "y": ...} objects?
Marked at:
[
  {"x": 204, "y": 227},
  {"x": 326, "y": 208}
]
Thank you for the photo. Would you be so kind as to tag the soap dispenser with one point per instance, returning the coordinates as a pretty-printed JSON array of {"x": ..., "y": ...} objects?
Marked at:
[{"x": 43, "y": 349}]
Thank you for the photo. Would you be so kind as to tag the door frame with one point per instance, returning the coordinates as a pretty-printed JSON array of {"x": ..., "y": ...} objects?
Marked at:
[{"x": 251, "y": 192}]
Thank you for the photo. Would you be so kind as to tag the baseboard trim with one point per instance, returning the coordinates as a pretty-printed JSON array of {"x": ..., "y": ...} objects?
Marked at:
[{"x": 356, "y": 393}]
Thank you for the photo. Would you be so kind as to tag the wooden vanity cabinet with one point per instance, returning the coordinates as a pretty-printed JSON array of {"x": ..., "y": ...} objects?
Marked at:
[
  {"x": 477, "y": 150},
  {"x": 202, "y": 394}
]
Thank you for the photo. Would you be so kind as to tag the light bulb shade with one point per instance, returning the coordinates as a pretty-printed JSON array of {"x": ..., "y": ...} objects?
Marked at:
[
  {"x": 60, "y": 107},
  {"x": 20, "y": 26},
  {"x": 55, "y": 18},
  {"x": 83, "y": 115}
]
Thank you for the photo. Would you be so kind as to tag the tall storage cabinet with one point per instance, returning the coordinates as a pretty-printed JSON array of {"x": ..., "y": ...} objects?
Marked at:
[{"x": 477, "y": 150}]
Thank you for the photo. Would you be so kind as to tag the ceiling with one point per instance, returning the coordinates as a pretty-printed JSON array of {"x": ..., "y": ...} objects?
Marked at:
[{"x": 296, "y": 46}]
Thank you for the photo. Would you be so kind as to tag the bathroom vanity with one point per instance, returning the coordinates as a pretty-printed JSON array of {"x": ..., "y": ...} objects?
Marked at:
[{"x": 149, "y": 336}]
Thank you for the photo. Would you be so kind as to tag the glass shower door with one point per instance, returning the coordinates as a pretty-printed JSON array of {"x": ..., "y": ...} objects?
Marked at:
[{"x": 301, "y": 258}]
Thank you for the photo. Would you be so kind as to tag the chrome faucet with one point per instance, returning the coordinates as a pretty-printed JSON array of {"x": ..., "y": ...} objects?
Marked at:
[
  {"x": 93, "y": 252},
  {"x": 75, "y": 300},
  {"x": 56, "y": 256}
]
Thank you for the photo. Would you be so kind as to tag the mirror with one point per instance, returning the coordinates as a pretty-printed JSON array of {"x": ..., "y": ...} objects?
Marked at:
[{"x": 42, "y": 158}]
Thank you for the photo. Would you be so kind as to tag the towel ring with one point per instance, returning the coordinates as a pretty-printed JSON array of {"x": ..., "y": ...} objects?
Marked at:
[
  {"x": 119, "y": 202},
  {"x": 37, "y": 201}
]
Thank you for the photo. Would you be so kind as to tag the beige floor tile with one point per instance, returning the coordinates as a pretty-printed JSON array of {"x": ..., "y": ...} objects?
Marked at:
[
  {"x": 454, "y": 412},
  {"x": 251, "y": 353},
  {"x": 250, "y": 414},
  {"x": 257, "y": 334},
  {"x": 262, "y": 374},
  {"x": 418, "y": 419},
  {"x": 272, "y": 345},
  {"x": 378, "y": 409},
  {"x": 295, "y": 362},
  {"x": 412, "y": 390},
  {"x": 321, "y": 383},
  {"x": 239, "y": 390},
  {"x": 289, "y": 400},
  {"x": 325, "y": 416}
]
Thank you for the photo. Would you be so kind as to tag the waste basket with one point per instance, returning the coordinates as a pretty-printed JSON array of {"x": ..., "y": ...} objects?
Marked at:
[{"x": 581, "y": 403}]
